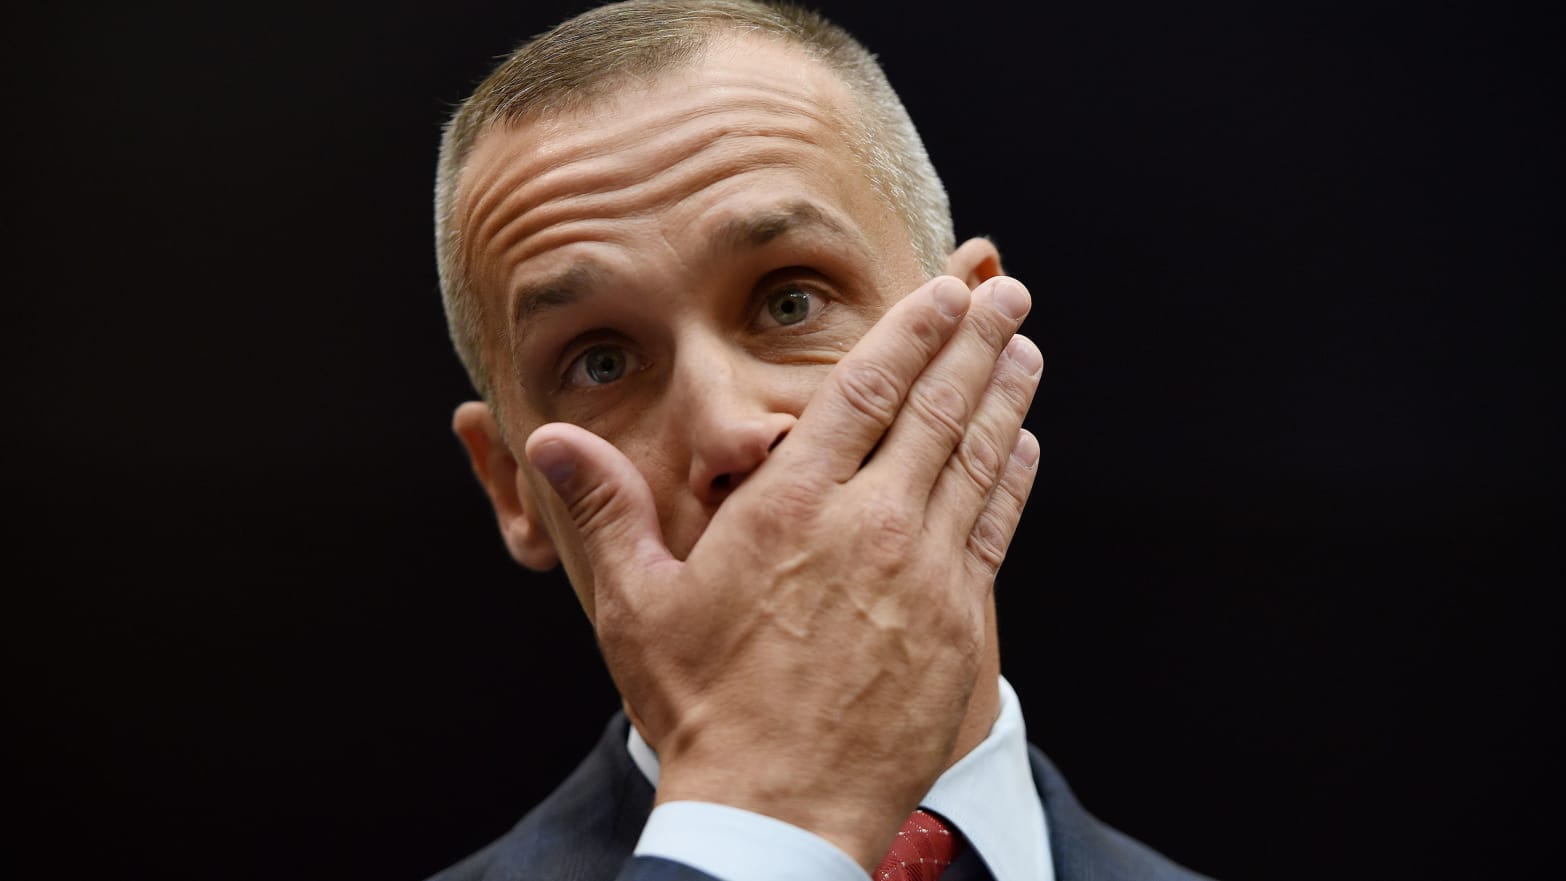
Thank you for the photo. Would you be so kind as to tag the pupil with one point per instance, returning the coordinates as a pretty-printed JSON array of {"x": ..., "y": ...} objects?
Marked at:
[
  {"x": 605, "y": 365},
  {"x": 790, "y": 306}
]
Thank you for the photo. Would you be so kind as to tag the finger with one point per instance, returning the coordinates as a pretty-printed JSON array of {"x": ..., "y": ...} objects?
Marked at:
[
  {"x": 975, "y": 467},
  {"x": 862, "y": 395},
  {"x": 997, "y": 525},
  {"x": 935, "y": 419},
  {"x": 607, "y": 499}
]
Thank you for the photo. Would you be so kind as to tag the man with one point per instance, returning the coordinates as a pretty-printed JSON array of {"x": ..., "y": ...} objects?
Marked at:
[{"x": 686, "y": 250}]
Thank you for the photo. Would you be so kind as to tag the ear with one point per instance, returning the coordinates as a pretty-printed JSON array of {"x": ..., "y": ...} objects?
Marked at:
[
  {"x": 975, "y": 262},
  {"x": 516, "y": 508}
]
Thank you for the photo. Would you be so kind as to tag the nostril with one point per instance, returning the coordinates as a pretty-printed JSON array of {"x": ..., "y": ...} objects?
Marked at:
[
  {"x": 721, "y": 482},
  {"x": 777, "y": 440}
]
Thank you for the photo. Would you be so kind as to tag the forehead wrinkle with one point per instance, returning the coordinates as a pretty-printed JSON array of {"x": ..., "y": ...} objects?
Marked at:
[
  {"x": 554, "y": 168},
  {"x": 556, "y": 151},
  {"x": 536, "y": 230},
  {"x": 591, "y": 165},
  {"x": 687, "y": 177}
]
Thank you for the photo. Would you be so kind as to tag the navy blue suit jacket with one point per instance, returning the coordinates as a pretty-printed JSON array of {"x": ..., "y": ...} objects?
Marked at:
[{"x": 586, "y": 829}]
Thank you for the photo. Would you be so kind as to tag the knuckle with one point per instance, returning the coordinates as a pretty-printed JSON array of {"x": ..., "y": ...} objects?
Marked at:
[
  {"x": 940, "y": 403},
  {"x": 1015, "y": 388},
  {"x": 591, "y": 508},
  {"x": 1016, "y": 484},
  {"x": 987, "y": 543},
  {"x": 869, "y": 390},
  {"x": 789, "y": 501},
  {"x": 981, "y": 459},
  {"x": 994, "y": 328},
  {"x": 924, "y": 332},
  {"x": 888, "y": 532}
]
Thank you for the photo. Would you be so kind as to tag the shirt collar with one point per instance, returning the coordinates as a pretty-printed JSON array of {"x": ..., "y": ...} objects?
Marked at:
[{"x": 988, "y": 795}]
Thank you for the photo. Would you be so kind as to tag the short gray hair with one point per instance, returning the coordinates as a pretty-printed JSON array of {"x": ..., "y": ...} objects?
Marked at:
[{"x": 586, "y": 57}]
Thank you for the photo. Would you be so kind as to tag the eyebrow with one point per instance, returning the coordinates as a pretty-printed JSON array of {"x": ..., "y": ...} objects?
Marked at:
[
  {"x": 757, "y": 230},
  {"x": 564, "y": 288},
  {"x": 571, "y": 285}
]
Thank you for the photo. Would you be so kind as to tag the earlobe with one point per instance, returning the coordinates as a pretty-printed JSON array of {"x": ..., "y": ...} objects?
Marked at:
[
  {"x": 516, "y": 510},
  {"x": 976, "y": 261}
]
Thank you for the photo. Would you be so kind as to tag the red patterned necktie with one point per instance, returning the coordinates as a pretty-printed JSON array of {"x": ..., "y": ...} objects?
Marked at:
[{"x": 923, "y": 850}]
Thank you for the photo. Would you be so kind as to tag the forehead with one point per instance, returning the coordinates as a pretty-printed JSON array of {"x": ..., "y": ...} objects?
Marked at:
[
  {"x": 733, "y": 79},
  {"x": 748, "y": 122}
]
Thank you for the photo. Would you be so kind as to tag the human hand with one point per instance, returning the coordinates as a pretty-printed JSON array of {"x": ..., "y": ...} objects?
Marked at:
[{"x": 812, "y": 657}]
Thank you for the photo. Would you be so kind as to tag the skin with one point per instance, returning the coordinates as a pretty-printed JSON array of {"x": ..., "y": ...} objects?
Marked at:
[{"x": 780, "y": 482}]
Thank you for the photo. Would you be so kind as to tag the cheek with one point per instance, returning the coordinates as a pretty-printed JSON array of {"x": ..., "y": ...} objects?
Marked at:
[
  {"x": 796, "y": 384},
  {"x": 644, "y": 434}
]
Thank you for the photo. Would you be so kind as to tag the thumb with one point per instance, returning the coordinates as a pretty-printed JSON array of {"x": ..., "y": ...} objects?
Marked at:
[{"x": 608, "y": 499}]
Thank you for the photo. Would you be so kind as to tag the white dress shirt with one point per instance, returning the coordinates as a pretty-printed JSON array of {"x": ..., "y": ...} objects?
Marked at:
[{"x": 987, "y": 795}]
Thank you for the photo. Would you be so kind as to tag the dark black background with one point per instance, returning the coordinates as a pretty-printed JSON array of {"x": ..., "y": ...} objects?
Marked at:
[{"x": 1282, "y": 605}]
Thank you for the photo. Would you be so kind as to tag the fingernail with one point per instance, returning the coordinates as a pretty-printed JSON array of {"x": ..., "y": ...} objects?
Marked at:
[
  {"x": 1010, "y": 298},
  {"x": 1027, "y": 355},
  {"x": 951, "y": 296},
  {"x": 1027, "y": 450},
  {"x": 554, "y": 462}
]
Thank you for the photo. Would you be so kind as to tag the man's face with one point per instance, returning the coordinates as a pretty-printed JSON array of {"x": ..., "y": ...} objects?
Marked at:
[{"x": 675, "y": 269}]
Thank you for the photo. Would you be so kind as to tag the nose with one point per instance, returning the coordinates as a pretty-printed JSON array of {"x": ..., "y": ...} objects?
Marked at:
[{"x": 733, "y": 420}]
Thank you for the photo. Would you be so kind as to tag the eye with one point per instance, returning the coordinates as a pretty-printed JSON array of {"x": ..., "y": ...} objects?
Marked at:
[
  {"x": 790, "y": 305},
  {"x": 601, "y": 365}
]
